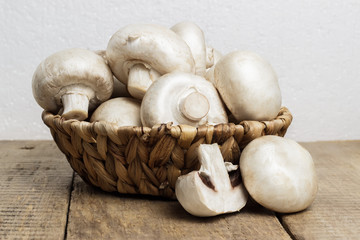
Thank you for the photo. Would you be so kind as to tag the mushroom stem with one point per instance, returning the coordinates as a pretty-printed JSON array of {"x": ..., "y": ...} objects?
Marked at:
[
  {"x": 75, "y": 101},
  {"x": 75, "y": 106},
  {"x": 213, "y": 164},
  {"x": 139, "y": 80},
  {"x": 195, "y": 106}
]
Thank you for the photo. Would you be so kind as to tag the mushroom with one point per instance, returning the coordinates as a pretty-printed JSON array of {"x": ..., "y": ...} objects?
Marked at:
[
  {"x": 213, "y": 56},
  {"x": 210, "y": 191},
  {"x": 248, "y": 85},
  {"x": 119, "y": 88},
  {"x": 195, "y": 39},
  {"x": 76, "y": 79},
  {"x": 279, "y": 174},
  {"x": 122, "y": 111},
  {"x": 138, "y": 54},
  {"x": 182, "y": 98}
]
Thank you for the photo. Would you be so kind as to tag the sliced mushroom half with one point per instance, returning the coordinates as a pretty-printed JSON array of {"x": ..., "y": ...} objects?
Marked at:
[{"x": 210, "y": 191}]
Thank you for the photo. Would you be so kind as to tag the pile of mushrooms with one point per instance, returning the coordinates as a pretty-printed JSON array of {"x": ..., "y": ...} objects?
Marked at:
[
  {"x": 175, "y": 76},
  {"x": 150, "y": 74}
]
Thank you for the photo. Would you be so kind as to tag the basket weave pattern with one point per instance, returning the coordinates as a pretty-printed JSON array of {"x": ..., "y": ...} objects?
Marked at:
[{"x": 142, "y": 160}]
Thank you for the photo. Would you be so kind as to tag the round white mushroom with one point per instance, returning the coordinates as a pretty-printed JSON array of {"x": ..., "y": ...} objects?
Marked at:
[
  {"x": 248, "y": 85},
  {"x": 138, "y": 54},
  {"x": 76, "y": 79},
  {"x": 279, "y": 174},
  {"x": 121, "y": 111},
  {"x": 210, "y": 191},
  {"x": 195, "y": 39},
  {"x": 182, "y": 98}
]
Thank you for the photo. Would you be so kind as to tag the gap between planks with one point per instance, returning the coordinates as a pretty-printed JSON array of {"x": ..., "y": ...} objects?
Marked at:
[{"x": 69, "y": 205}]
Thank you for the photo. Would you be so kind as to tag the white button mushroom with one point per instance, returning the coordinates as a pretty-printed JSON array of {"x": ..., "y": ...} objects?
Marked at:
[
  {"x": 210, "y": 191},
  {"x": 279, "y": 174},
  {"x": 195, "y": 39},
  {"x": 248, "y": 85},
  {"x": 122, "y": 111},
  {"x": 182, "y": 98},
  {"x": 138, "y": 54},
  {"x": 76, "y": 79}
]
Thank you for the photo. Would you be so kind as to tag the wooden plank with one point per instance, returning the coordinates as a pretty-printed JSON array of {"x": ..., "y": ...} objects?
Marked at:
[
  {"x": 98, "y": 215},
  {"x": 35, "y": 183},
  {"x": 335, "y": 213}
]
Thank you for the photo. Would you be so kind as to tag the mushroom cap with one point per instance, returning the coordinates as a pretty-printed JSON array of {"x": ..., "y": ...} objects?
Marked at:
[
  {"x": 279, "y": 174},
  {"x": 164, "y": 99},
  {"x": 67, "y": 68},
  {"x": 195, "y": 39},
  {"x": 248, "y": 85},
  {"x": 123, "y": 111},
  {"x": 154, "y": 46}
]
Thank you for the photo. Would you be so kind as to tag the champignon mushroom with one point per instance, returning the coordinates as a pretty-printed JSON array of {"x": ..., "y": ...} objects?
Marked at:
[
  {"x": 138, "y": 54},
  {"x": 210, "y": 191},
  {"x": 213, "y": 56},
  {"x": 122, "y": 111},
  {"x": 279, "y": 174},
  {"x": 248, "y": 85},
  {"x": 182, "y": 98},
  {"x": 119, "y": 88},
  {"x": 76, "y": 79},
  {"x": 195, "y": 39}
]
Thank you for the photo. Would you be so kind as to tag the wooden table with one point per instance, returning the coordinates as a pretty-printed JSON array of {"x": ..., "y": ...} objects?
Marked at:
[{"x": 41, "y": 198}]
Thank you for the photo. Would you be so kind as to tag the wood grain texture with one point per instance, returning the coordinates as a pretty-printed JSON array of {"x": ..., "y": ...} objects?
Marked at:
[
  {"x": 35, "y": 182},
  {"x": 98, "y": 215},
  {"x": 335, "y": 213}
]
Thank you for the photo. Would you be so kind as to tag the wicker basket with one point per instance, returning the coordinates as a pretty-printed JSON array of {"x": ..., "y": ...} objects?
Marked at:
[{"x": 142, "y": 160}]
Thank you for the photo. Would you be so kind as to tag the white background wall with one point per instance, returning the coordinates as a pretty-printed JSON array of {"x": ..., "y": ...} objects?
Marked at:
[{"x": 314, "y": 46}]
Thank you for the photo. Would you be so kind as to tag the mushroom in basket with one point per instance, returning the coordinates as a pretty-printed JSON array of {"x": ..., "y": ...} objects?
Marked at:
[
  {"x": 76, "y": 79},
  {"x": 122, "y": 111},
  {"x": 195, "y": 39},
  {"x": 248, "y": 85},
  {"x": 182, "y": 98},
  {"x": 138, "y": 54}
]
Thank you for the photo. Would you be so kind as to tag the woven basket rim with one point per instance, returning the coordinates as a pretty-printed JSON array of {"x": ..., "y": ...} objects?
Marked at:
[{"x": 49, "y": 119}]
